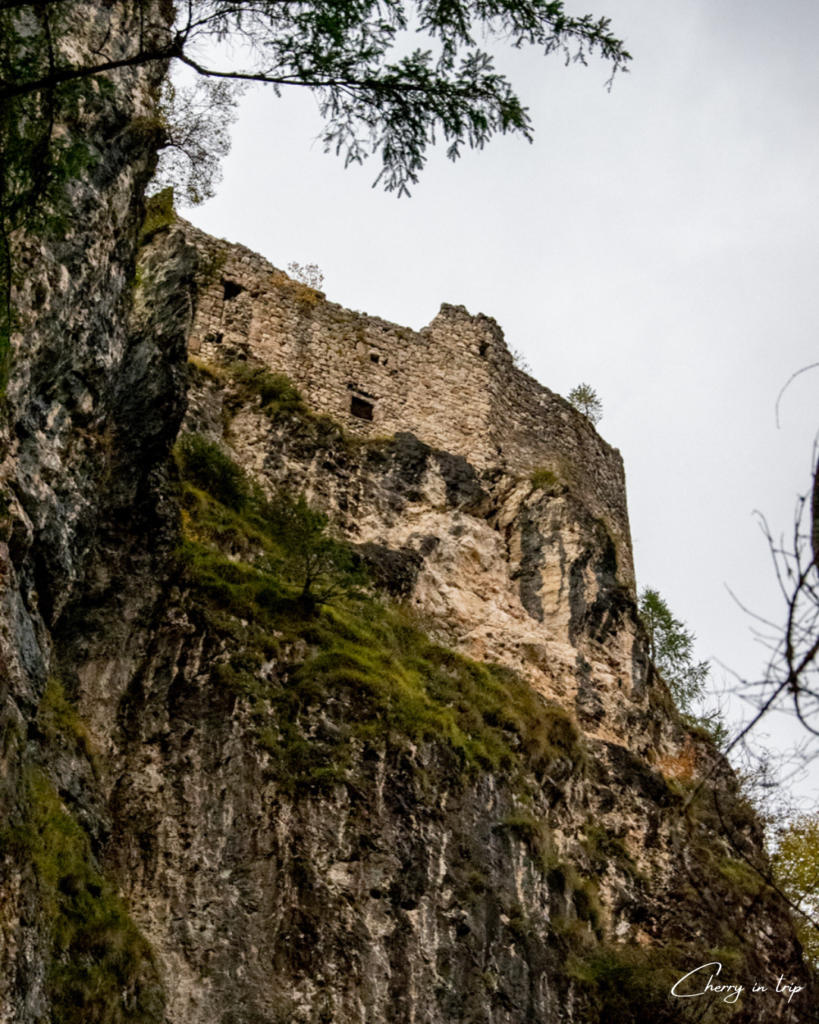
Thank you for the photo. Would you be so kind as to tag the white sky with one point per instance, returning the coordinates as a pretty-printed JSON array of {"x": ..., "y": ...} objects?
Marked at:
[{"x": 659, "y": 242}]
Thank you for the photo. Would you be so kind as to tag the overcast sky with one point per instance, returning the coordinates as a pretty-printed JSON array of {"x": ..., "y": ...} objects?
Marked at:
[{"x": 659, "y": 242}]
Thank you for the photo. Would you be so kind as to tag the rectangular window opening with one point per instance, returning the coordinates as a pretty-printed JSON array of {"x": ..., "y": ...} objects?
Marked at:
[{"x": 360, "y": 409}]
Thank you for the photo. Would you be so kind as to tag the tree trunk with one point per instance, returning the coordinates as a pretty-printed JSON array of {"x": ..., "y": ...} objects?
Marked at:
[{"x": 815, "y": 515}]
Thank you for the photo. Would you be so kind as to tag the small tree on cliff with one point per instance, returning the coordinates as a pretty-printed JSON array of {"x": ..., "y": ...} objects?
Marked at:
[
  {"x": 309, "y": 274},
  {"x": 671, "y": 648},
  {"x": 584, "y": 399},
  {"x": 319, "y": 564}
]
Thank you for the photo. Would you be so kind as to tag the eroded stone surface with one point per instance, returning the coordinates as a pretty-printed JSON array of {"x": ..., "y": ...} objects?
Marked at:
[{"x": 505, "y": 571}]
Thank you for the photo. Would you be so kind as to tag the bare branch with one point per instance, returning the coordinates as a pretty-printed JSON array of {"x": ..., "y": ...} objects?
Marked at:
[{"x": 792, "y": 377}]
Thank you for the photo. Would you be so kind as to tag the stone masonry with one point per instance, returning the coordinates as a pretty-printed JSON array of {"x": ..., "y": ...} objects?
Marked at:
[{"x": 454, "y": 383}]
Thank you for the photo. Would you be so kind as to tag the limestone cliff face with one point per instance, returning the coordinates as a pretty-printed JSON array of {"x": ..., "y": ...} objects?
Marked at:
[
  {"x": 537, "y": 575},
  {"x": 87, "y": 401},
  {"x": 466, "y": 797},
  {"x": 505, "y": 571}
]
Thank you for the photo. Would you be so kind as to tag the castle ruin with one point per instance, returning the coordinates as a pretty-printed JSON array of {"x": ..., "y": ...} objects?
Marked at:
[{"x": 453, "y": 384}]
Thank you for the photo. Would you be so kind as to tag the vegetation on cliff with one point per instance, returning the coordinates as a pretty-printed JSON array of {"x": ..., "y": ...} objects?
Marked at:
[
  {"x": 360, "y": 675},
  {"x": 253, "y": 561},
  {"x": 262, "y": 641},
  {"x": 58, "y": 70},
  {"x": 101, "y": 969},
  {"x": 344, "y": 53},
  {"x": 671, "y": 646}
]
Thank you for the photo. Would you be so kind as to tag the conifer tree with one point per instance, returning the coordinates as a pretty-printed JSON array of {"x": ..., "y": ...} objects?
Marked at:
[{"x": 671, "y": 648}]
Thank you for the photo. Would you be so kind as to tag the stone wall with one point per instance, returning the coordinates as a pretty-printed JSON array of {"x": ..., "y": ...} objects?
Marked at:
[{"x": 454, "y": 383}]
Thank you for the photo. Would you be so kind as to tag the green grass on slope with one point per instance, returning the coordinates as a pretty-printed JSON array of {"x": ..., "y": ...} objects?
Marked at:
[
  {"x": 101, "y": 969},
  {"x": 319, "y": 688},
  {"x": 370, "y": 669}
]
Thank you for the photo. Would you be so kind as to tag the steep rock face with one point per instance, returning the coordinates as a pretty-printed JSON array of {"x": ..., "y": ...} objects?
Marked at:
[
  {"x": 297, "y": 834},
  {"x": 508, "y": 571},
  {"x": 71, "y": 293},
  {"x": 74, "y": 489},
  {"x": 410, "y": 887}
]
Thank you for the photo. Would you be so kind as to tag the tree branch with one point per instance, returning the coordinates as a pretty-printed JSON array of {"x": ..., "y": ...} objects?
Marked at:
[
  {"x": 310, "y": 83},
  {"x": 72, "y": 73}
]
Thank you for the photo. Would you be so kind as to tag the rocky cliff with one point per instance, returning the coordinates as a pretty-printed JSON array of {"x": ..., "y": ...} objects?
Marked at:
[{"x": 453, "y": 790}]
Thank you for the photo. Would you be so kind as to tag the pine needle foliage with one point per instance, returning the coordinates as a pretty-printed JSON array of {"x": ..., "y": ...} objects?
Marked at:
[
  {"x": 584, "y": 398},
  {"x": 671, "y": 647}
]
